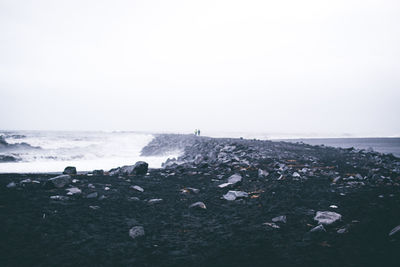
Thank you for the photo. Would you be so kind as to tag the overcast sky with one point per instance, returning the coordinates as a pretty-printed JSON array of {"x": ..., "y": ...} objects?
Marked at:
[{"x": 258, "y": 66}]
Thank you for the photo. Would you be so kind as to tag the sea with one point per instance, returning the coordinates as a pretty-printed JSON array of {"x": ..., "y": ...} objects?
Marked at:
[{"x": 52, "y": 151}]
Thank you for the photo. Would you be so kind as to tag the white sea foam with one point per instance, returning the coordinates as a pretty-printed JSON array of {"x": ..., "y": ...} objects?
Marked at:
[{"x": 84, "y": 150}]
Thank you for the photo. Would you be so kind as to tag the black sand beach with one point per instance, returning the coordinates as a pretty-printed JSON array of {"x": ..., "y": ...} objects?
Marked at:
[{"x": 284, "y": 186}]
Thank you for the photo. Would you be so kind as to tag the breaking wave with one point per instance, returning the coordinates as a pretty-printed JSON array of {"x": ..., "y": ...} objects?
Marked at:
[{"x": 43, "y": 151}]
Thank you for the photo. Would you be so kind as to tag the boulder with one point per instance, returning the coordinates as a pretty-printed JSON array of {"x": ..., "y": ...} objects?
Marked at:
[
  {"x": 139, "y": 168},
  {"x": 70, "y": 170},
  {"x": 59, "y": 181},
  {"x": 327, "y": 217},
  {"x": 136, "y": 231}
]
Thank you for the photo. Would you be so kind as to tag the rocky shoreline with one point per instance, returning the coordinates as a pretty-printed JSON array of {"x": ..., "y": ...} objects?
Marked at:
[{"x": 223, "y": 202}]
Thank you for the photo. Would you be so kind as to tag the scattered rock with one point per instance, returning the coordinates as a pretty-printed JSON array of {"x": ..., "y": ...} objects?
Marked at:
[
  {"x": 279, "y": 219},
  {"x": 232, "y": 195},
  {"x": 296, "y": 174},
  {"x": 154, "y": 200},
  {"x": 138, "y": 188},
  {"x": 272, "y": 225},
  {"x": 136, "y": 231},
  {"x": 70, "y": 170},
  {"x": 98, "y": 172},
  {"x": 224, "y": 185},
  {"x": 327, "y": 217},
  {"x": 319, "y": 228},
  {"x": 73, "y": 191},
  {"x": 92, "y": 195},
  {"x": 94, "y": 207},
  {"x": 235, "y": 178},
  {"x": 11, "y": 185},
  {"x": 394, "y": 230},
  {"x": 200, "y": 205},
  {"x": 139, "y": 168},
  {"x": 25, "y": 181},
  {"x": 57, "y": 197},
  {"x": 59, "y": 181},
  {"x": 91, "y": 186},
  {"x": 262, "y": 173}
]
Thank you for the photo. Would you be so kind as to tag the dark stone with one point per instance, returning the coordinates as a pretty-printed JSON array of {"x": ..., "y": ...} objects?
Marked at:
[
  {"x": 98, "y": 172},
  {"x": 139, "y": 168},
  {"x": 70, "y": 170},
  {"x": 59, "y": 181}
]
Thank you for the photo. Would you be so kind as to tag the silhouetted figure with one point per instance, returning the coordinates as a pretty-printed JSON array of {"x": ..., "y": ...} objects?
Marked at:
[{"x": 198, "y": 132}]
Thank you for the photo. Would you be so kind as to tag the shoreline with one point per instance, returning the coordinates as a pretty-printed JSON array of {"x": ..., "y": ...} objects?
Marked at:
[{"x": 223, "y": 202}]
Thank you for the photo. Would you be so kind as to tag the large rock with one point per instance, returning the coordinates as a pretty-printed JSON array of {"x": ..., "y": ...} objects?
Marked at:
[
  {"x": 327, "y": 217},
  {"x": 139, "y": 168},
  {"x": 70, "y": 170},
  {"x": 136, "y": 231},
  {"x": 59, "y": 181}
]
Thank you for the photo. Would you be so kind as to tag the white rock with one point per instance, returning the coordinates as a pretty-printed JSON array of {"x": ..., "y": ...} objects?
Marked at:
[
  {"x": 296, "y": 174},
  {"x": 232, "y": 195},
  {"x": 333, "y": 206},
  {"x": 394, "y": 230},
  {"x": 138, "y": 188},
  {"x": 327, "y": 217},
  {"x": 59, "y": 197},
  {"x": 236, "y": 178},
  {"x": 273, "y": 225},
  {"x": 154, "y": 200},
  {"x": 224, "y": 185},
  {"x": 73, "y": 191},
  {"x": 198, "y": 205},
  {"x": 262, "y": 173}
]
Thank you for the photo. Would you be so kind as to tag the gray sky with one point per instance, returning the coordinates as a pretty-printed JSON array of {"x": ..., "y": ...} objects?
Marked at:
[{"x": 258, "y": 66}]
